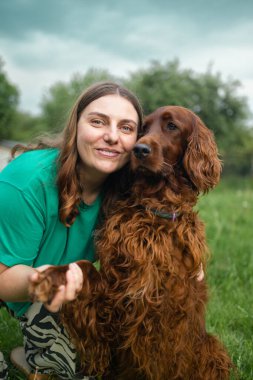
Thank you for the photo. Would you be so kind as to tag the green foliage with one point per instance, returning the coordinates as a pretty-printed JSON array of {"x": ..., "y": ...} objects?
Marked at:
[
  {"x": 9, "y": 97},
  {"x": 10, "y": 337},
  {"x": 160, "y": 85},
  {"x": 27, "y": 127},
  {"x": 227, "y": 213}
]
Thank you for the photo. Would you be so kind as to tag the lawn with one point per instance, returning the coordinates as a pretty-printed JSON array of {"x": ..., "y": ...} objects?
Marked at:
[{"x": 228, "y": 214}]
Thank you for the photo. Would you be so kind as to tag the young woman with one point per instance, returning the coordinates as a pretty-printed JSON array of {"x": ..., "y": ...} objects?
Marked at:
[{"x": 50, "y": 198}]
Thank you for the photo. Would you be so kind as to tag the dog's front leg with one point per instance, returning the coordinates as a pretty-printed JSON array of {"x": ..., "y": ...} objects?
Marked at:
[{"x": 45, "y": 287}]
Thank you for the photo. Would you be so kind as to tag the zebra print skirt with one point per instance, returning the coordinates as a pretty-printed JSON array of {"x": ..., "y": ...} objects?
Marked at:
[
  {"x": 47, "y": 344},
  {"x": 3, "y": 368}
]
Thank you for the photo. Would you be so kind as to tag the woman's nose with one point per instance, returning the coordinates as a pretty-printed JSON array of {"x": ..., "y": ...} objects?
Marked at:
[{"x": 112, "y": 135}]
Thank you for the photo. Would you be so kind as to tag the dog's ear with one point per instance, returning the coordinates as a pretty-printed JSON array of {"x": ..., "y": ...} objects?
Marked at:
[{"x": 201, "y": 160}]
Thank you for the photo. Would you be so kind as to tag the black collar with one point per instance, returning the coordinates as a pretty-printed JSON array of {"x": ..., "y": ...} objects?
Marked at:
[{"x": 162, "y": 214}]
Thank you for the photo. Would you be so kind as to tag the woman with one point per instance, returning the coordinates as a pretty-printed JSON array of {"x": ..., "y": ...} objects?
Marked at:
[{"x": 50, "y": 200}]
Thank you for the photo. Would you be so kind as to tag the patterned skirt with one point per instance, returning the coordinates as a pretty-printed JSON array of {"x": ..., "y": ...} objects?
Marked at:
[
  {"x": 48, "y": 346},
  {"x": 3, "y": 368}
]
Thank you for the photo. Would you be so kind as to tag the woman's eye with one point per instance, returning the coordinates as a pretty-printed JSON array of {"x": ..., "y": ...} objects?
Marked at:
[
  {"x": 97, "y": 122},
  {"x": 171, "y": 126},
  {"x": 126, "y": 128}
]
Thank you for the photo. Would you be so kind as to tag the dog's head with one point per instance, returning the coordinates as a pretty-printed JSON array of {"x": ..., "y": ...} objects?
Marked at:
[{"x": 174, "y": 137}]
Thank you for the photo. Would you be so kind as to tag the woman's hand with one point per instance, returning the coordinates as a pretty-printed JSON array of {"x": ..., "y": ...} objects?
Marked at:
[
  {"x": 65, "y": 293},
  {"x": 201, "y": 273}
]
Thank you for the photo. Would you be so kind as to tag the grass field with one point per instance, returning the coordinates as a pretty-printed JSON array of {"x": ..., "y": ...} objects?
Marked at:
[{"x": 228, "y": 214}]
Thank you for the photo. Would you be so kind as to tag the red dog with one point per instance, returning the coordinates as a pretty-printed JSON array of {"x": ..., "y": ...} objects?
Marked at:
[{"x": 142, "y": 317}]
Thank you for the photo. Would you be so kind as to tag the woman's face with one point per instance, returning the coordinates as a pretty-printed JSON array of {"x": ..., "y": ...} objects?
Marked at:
[{"x": 106, "y": 134}]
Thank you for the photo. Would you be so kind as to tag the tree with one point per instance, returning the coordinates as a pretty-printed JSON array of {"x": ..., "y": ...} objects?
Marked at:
[
  {"x": 9, "y": 98},
  {"x": 27, "y": 127}
]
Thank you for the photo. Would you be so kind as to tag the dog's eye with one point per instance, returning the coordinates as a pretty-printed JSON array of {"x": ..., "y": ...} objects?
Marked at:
[
  {"x": 171, "y": 126},
  {"x": 143, "y": 130}
]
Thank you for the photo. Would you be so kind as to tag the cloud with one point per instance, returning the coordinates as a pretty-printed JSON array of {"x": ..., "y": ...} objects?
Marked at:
[
  {"x": 44, "y": 59},
  {"x": 44, "y": 42},
  {"x": 230, "y": 53}
]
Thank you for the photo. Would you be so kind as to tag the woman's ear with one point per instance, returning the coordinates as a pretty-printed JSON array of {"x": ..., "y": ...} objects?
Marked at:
[{"x": 201, "y": 160}]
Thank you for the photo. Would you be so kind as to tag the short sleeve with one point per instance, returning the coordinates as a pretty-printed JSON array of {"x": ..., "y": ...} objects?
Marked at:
[{"x": 21, "y": 226}]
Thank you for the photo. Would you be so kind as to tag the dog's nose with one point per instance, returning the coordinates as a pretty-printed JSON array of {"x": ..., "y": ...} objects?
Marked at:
[{"x": 141, "y": 150}]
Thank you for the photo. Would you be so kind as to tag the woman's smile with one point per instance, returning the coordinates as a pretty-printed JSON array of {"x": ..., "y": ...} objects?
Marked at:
[{"x": 108, "y": 153}]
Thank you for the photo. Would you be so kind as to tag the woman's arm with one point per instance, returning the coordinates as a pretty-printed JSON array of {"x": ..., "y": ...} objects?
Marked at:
[{"x": 14, "y": 283}]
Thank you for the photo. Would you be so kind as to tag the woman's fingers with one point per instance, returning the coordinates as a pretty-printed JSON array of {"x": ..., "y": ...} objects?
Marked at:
[
  {"x": 68, "y": 292},
  {"x": 57, "y": 301},
  {"x": 201, "y": 273},
  {"x": 74, "y": 284}
]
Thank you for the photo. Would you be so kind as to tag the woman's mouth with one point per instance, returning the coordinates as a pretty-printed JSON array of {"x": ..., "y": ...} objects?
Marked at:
[{"x": 108, "y": 152}]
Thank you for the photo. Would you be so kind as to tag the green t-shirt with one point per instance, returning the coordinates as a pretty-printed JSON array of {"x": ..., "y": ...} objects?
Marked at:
[{"x": 30, "y": 230}]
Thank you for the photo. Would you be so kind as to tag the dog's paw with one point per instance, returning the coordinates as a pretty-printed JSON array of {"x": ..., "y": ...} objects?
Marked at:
[{"x": 45, "y": 287}]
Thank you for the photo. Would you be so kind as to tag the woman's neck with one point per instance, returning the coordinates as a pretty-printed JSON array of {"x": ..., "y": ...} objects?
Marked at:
[{"x": 91, "y": 187}]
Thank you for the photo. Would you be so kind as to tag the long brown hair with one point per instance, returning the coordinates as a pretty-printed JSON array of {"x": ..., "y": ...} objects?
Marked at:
[{"x": 68, "y": 181}]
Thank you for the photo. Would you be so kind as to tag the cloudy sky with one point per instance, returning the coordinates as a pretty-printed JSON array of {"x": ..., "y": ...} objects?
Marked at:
[{"x": 42, "y": 42}]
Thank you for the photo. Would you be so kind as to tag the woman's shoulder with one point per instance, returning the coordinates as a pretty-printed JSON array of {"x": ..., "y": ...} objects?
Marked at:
[
  {"x": 31, "y": 166},
  {"x": 40, "y": 157}
]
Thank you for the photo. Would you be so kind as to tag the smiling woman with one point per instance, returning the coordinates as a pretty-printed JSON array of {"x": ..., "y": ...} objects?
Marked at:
[{"x": 50, "y": 200}]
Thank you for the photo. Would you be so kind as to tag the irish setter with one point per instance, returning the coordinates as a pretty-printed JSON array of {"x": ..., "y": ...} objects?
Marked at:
[{"x": 142, "y": 316}]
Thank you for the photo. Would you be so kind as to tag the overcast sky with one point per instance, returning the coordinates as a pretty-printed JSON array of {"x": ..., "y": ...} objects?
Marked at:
[{"x": 44, "y": 41}]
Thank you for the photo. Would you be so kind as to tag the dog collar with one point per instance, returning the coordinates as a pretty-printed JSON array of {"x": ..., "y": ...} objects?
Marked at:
[{"x": 162, "y": 214}]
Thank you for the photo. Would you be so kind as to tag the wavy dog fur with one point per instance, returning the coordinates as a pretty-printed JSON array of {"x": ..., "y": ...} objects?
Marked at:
[{"x": 142, "y": 316}]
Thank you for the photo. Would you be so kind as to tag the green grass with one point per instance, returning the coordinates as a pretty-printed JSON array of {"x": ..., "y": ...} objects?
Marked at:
[
  {"x": 10, "y": 337},
  {"x": 228, "y": 215}
]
